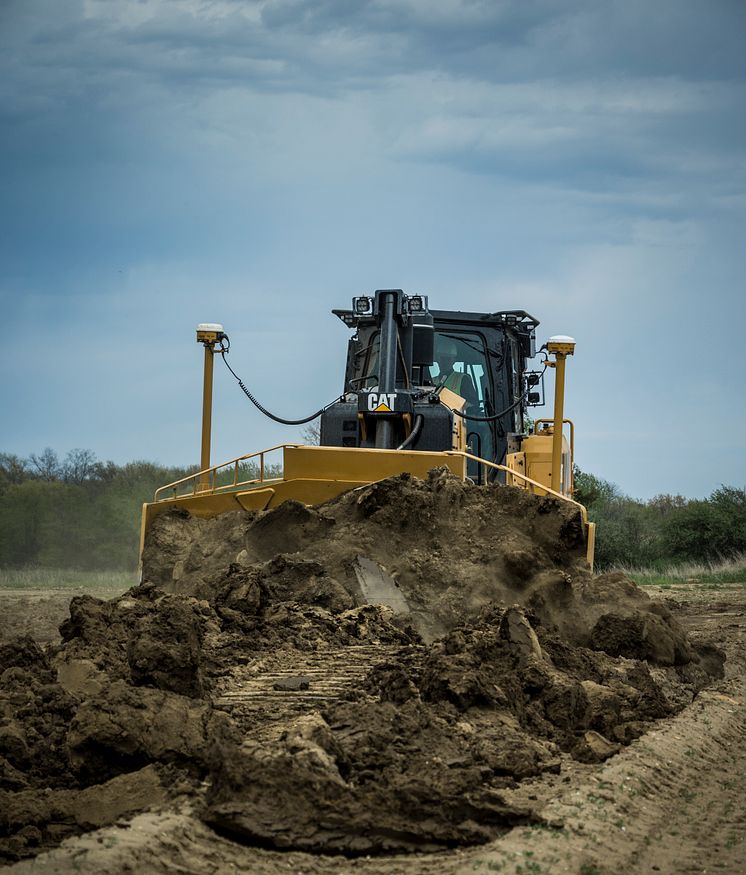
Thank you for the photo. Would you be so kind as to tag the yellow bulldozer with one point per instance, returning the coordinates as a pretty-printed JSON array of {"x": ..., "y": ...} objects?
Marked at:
[{"x": 423, "y": 389}]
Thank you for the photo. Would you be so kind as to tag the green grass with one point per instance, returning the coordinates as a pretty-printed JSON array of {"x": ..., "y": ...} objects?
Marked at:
[
  {"x": 708, "y": 575},
  {"x": 64, "y": 578}
]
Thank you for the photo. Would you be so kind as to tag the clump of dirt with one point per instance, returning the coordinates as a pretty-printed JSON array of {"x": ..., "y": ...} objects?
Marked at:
[
  {"x": 147, "y": 641},
  {"x": 421, "y": 755},
  {"x": 79, "y": 749},
  {"x": 437, "y": 551},
  {"x": 373, "y": 674}
]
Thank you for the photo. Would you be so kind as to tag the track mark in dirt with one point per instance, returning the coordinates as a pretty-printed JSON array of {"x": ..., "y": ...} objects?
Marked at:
[
  {"x": 262, "y": 686},
  {"x": 671, "y": 803}
]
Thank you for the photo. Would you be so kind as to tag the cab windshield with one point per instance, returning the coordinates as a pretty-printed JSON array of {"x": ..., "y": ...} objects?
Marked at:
[{"x": 460, "y": 364}]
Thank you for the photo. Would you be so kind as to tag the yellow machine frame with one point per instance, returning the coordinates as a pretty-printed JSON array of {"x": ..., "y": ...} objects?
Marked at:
[
  {"x": 535, "y": 458},
  {"x": 314, "y": 474}
]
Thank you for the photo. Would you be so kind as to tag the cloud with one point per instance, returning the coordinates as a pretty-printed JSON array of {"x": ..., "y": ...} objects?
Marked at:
[
  {"x": 588, "y": 94},
  {"x": 332, "y": 45}
]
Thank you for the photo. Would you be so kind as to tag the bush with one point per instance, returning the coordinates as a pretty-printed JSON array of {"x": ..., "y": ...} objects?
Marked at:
[
  {"x": 665, "y": 530},
  {"x": 78, "y": 513},
  {"x": 710, "y": 529}
]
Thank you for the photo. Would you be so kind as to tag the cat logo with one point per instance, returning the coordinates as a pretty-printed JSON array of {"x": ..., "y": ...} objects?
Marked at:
[{"x": 381, "y": 402}]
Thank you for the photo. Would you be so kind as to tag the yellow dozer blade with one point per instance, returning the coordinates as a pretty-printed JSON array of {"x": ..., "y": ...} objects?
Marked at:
[{"x": 312, "y": 475}]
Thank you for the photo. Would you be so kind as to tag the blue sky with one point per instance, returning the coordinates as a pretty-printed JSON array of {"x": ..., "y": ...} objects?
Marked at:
[{"x": 166, "y": 162}]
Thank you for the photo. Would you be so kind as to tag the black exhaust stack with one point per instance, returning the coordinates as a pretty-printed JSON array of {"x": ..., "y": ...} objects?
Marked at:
[{"x": 388, "y": 309}]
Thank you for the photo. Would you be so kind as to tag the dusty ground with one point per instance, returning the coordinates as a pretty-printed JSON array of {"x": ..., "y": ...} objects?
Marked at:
[
  {"x": 671, "y": 802},
  {"x": 278, "y": 713},
  {"x": 39, "y": 612}
]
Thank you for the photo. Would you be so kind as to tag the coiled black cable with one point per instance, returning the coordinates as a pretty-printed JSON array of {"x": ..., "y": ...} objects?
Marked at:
[{"x": 225, "y": 346}]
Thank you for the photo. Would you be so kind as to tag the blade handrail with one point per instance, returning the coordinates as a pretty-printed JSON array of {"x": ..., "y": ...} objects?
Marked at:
[
  {"x": 208, "y": 475},
  {"x": 525, "y": 479}
]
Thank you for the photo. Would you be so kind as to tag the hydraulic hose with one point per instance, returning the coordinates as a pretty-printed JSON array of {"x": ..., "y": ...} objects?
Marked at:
[
  {"x": 414, "y": 434},
  {"x": 225, "y": 346}
]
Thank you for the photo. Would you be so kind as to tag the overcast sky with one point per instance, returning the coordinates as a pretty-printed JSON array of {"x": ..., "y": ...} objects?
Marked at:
[{"x": 166, "y": 162}]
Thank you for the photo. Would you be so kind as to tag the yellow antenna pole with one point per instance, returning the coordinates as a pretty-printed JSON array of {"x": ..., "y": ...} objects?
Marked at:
[
  {"x": 208, "y": 334},
  {"x": 561, "y": 346}
]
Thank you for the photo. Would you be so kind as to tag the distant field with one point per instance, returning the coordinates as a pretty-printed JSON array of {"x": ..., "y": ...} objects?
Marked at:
[
  {"x": 703, "y": 574},
  {"x": 64, "y": 578}
]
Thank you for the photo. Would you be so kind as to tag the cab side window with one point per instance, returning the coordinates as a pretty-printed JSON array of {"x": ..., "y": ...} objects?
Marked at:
[{"x": 461, "y": 364}]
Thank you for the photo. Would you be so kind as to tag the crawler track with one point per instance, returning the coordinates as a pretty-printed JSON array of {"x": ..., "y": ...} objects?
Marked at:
[{"x": 258, "y": 692}]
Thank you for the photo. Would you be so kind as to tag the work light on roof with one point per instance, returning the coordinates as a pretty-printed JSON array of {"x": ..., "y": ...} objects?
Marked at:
[{"x": 362, "y": 305}]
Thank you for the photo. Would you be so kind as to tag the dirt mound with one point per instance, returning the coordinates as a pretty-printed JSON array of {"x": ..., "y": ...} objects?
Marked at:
[
  {"x": 437, "y": 552},
  {"x": 444, "y": 547},
  {"x": 66, "y": 729},
  {"x": 418, "y": 758},
  {"x": 369, "y": 675}
]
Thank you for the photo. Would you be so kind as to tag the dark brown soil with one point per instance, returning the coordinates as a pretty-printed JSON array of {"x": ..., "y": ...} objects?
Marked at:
[{"x": 251, "y": 662}]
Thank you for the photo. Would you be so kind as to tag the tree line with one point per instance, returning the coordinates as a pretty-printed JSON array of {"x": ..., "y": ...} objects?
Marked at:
[
  {"x": 666, "y": 530},
  {"x": 75, "y": 511},
  {"x": 78, "y": 512}
]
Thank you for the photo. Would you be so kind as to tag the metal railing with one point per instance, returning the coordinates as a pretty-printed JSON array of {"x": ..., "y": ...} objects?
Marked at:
[
  {"x": 525, "y": 479},
  {"x": 206, "y": 482}
]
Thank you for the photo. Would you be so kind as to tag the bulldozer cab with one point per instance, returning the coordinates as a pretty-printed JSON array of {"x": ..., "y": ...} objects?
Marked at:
[{"x": 480, "y": 357}]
